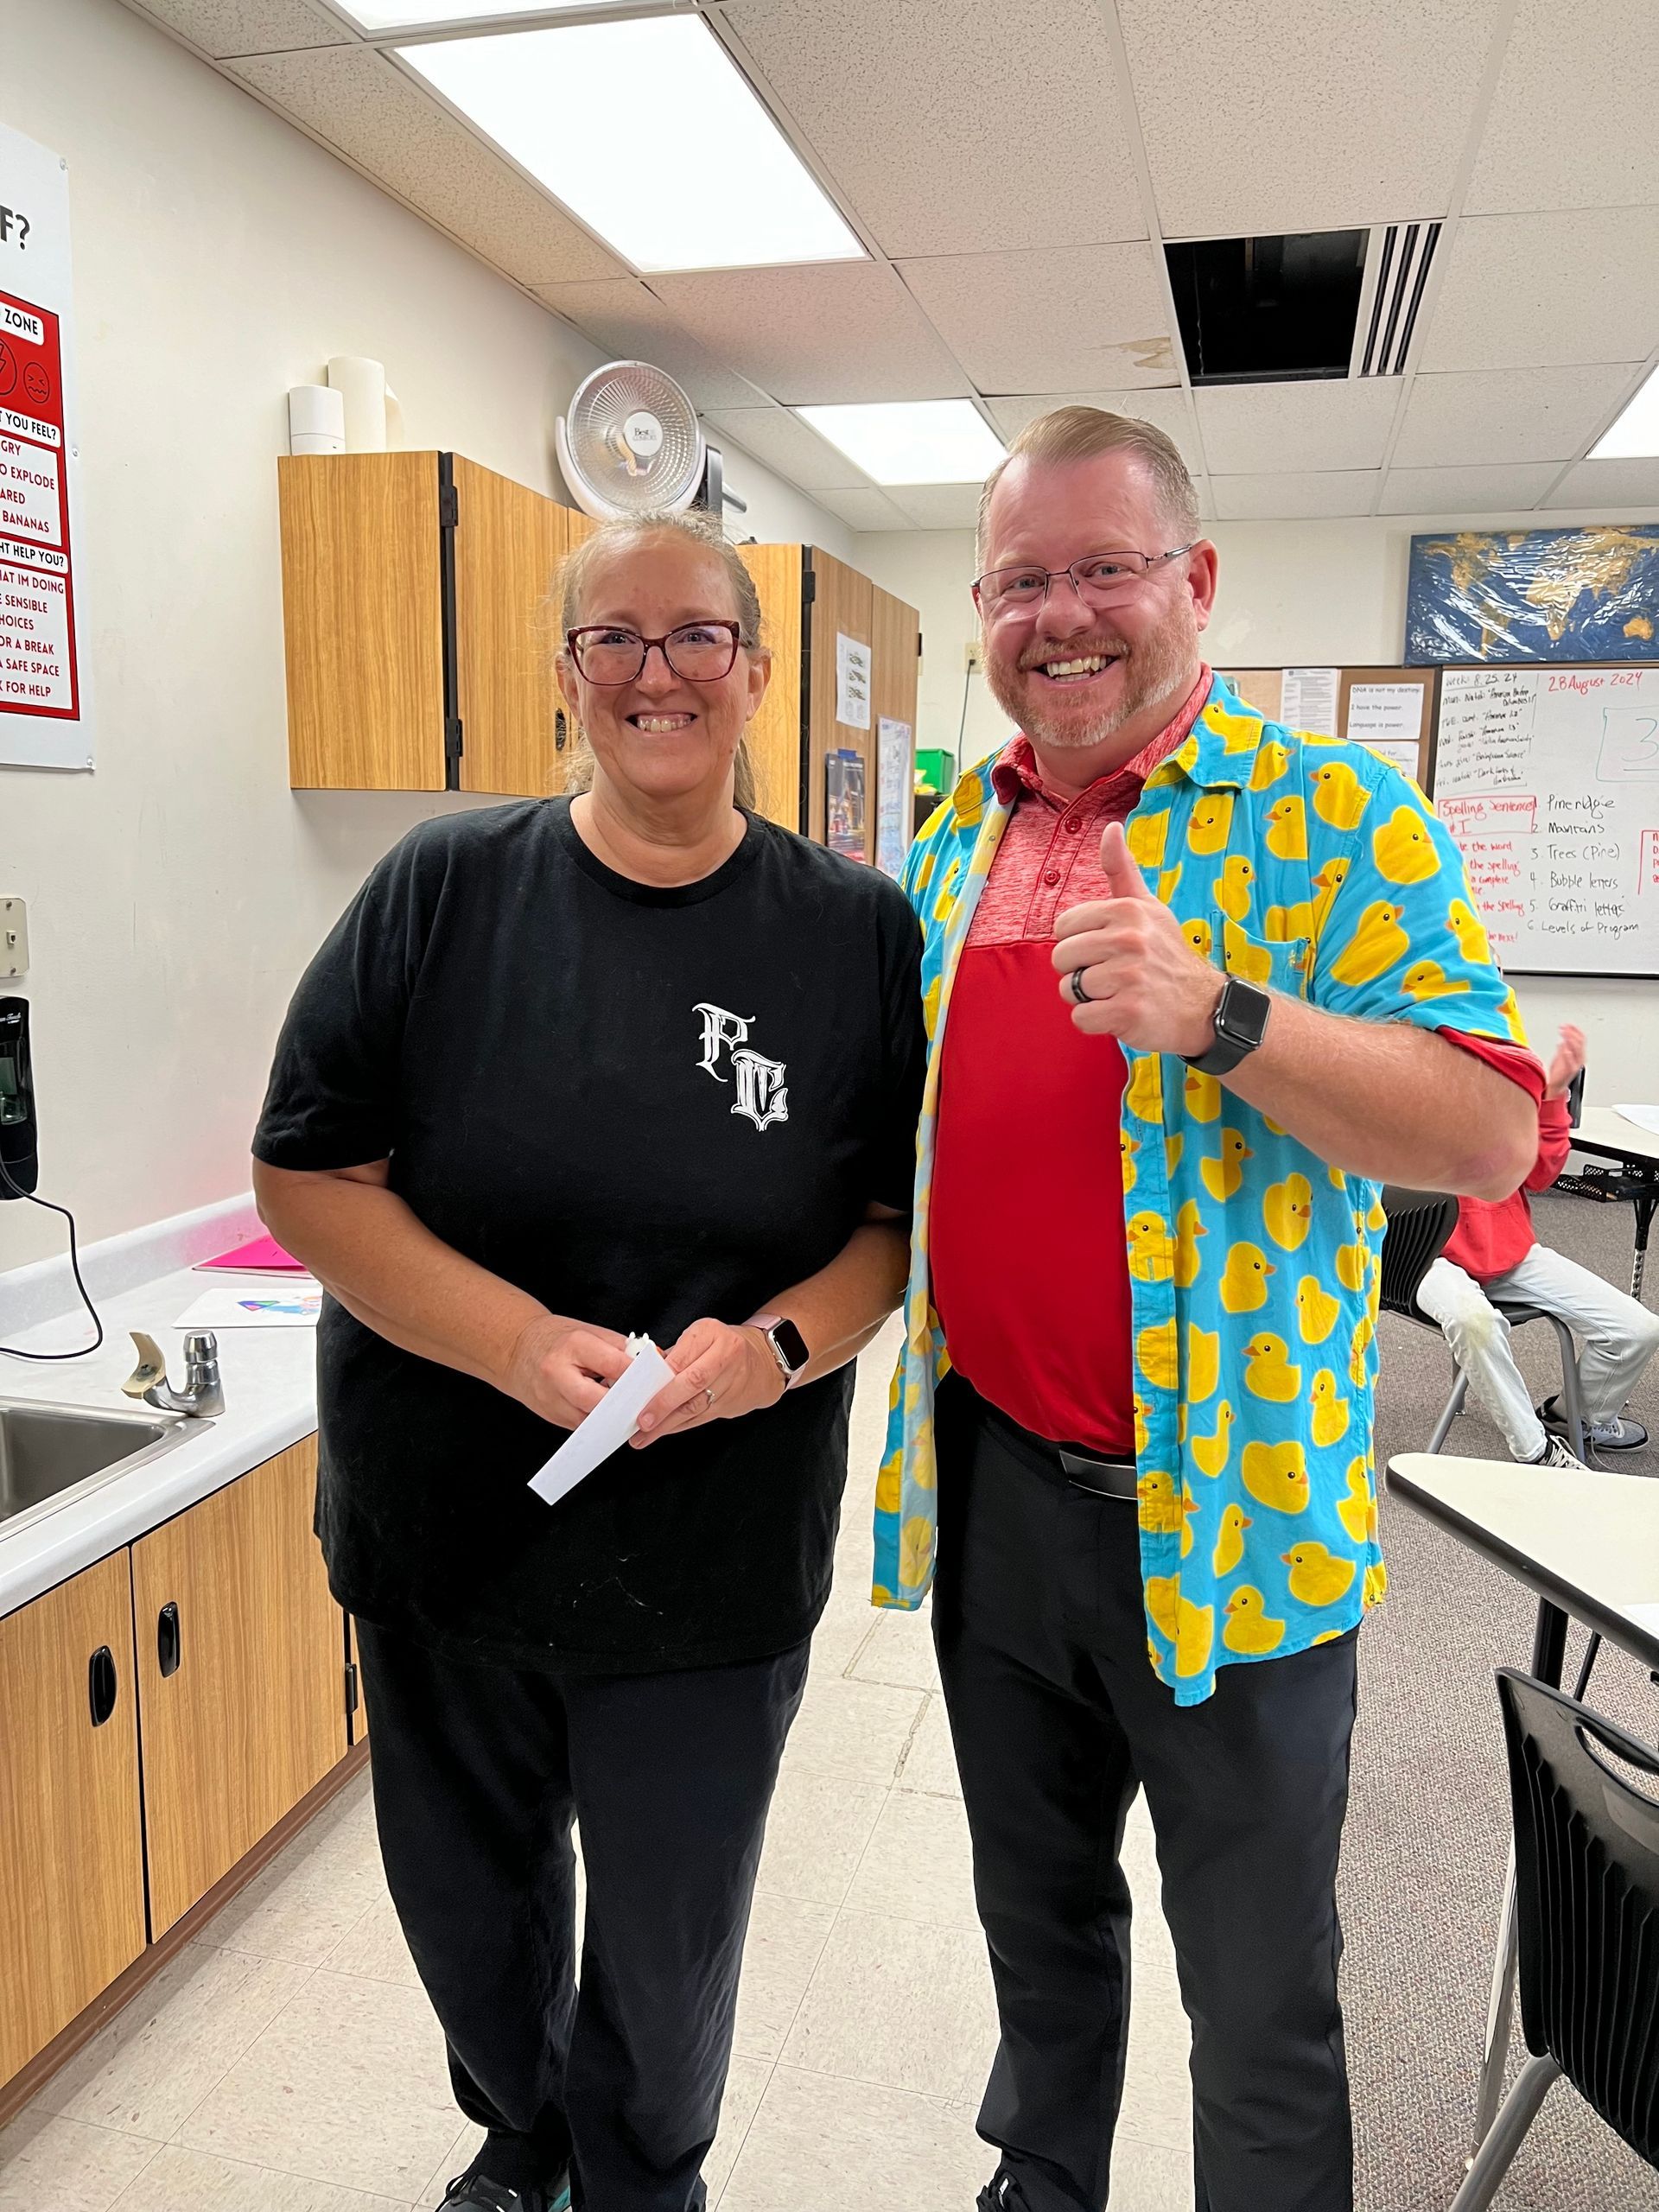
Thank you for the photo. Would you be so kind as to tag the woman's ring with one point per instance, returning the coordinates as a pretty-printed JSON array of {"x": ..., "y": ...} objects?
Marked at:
[
  {"x": 1078, "y": 991},
  {"x": 709, "y": 1396}
]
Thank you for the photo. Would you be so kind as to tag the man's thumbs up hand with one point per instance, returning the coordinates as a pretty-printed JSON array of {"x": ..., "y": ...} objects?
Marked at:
[{"x": 1125, "y": 969}]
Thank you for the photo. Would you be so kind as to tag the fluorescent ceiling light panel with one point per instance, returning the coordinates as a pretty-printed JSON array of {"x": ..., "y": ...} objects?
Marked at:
[
  {"x": 389, "y": 15},
  {"x": 911, "y": 441},
  {"x": 645, "y": 130},
  {"x": 1636, "y": 434}
]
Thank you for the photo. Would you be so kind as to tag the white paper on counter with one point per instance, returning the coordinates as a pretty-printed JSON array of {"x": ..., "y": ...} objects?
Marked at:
[
  {"x": 295, "y": 1304},
  {"x": 1640, "y": 1117},
  {"x": 609, "y": 1425}
]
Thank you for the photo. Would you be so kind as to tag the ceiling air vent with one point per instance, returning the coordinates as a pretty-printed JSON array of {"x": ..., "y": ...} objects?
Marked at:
[
  {"x": 1396, "y": 271},
  {"x": 1268, "y": 310}
]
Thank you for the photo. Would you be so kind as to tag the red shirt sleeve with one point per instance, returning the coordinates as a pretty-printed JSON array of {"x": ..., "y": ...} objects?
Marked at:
[{"x": 1554, "y": 1122}]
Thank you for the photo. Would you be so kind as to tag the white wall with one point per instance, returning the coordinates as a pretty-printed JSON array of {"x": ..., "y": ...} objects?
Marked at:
[
  {"x": 175, "y": 894},
  {"x": 1292, "y": 593}
]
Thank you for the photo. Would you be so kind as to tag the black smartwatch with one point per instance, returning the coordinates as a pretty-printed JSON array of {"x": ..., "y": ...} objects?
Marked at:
[
  {"x": 788, "y": 1345},
  {"x": 1241, "y": 1020}
]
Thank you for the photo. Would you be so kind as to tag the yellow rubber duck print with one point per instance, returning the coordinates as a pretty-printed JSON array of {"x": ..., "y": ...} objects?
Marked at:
[
  {"x": 1375, "y": 1588},
  {"x": 1223, "y": 1175},
  {"x": 1248, "y": 1631},
  {"x": 1283, "y": 925},
  {"x": 1288, "y": 828},
  {"x": 1276, "y": 1475},
  {"x": 1402, "y": 848},
  {"x": 1144, "y": 1092},
  {"x": 1509, "y": 1007},
  {"x": 1267, "y": 1371},
  {"x": 1252, "y": 962},
  {"x": 1329, "y": 1409},
  {"x": 915, "y": 1551},
  {"x": 1272, "y": 759},
  {"x": 1232, "y": 887},
  {"x": 1358, "y": 1512},
  {"x": 1127, "y": 1146},
  {"x": 1288, "y": 1209},
  {"x": 1162, "y": 1510},
  {"x": 1364, "y": 1330},
  {"x": 1427, "y": 979},
  {"x": 1152, "y": 1254},
  {"x": 1327, "y": 883},
  {"x": 1230, "y": 1543},
  {"x": 1197, "y": 933},
  {"x": 1188, "y": 1230},
  {"x": 1155, "y": 1347},
  {"x": 1190, "y": 1627},
  {"x": 1210, "y": 1453},
  {"x": 1377, "y": 945},
  {"x": 1173, "y": 1147},
  {"x": 1471, "y": 933},
  {"x": 1350, "y": 1265},
  {"x": 1145, "y": 836},
  {"x": 1210, "y": 822},
  {"x": 1203, "y": 1095},
  {"x": 1339, "y": 798},
  {"x": 1203, "y": 1363},
  {"x": 1244, "y": 1279},
  {"x": 1315, "y": 1577},
  {"x": 1169, "y": 883},
  {"x": 1163, "y": 1598},
  {"x": 1142, "y": 1433}
]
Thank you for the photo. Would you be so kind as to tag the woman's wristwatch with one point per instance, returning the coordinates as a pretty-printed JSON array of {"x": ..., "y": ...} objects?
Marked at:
[{"x": 787, "y": 1344}]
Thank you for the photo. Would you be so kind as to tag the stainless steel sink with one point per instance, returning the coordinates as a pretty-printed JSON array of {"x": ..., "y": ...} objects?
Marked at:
[{"x": 48, "y": 1452}]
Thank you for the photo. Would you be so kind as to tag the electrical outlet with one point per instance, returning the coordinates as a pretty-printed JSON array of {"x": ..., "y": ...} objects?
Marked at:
[
  {"x": 974, "y": 658},
  {"x": 14, "y": 937}
]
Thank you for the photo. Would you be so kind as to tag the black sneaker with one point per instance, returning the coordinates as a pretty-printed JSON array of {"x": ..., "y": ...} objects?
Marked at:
[
  {"x": 1617, "y": 1434},
  {"x": 475, "y": 2192}
]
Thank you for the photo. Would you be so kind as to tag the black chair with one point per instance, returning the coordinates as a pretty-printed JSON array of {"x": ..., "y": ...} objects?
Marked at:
[
  {"x": 1419, "y": 1223},
  {"x": 1586, "y": 1847}
]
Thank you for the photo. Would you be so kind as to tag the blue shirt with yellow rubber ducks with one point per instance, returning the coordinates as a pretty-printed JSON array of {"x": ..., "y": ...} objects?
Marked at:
[{"x": 1315, "y": 868}]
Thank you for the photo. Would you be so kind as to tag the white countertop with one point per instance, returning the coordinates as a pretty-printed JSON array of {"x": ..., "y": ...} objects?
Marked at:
[{"x": 270, "y": 1377}]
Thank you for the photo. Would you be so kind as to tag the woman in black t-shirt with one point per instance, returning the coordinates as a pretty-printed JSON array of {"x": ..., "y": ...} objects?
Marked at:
[{"x": 632, "y": 1061}]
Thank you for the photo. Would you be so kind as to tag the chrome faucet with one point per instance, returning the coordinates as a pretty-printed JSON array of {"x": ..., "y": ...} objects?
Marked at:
[{"x": 203, "y": 1394}]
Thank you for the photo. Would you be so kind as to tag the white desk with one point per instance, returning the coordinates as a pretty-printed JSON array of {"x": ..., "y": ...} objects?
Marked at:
[
  {"x": 1585, "y": 1545},
  {"x": 1607, "y": 1133}
]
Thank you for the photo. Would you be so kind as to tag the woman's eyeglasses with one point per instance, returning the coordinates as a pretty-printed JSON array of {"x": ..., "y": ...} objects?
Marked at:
[
  {"x": 699, "y": 653},
  {"x": 1098, "y": 579}
]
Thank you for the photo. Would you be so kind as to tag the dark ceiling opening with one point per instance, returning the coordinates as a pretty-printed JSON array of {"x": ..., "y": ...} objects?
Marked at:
[{"x": 1268, "y": 310}]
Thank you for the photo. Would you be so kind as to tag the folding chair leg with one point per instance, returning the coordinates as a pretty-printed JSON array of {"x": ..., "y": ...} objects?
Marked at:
[
  {"x": 1453, "y": 1407},
  {"x": 1571, "y": 1404},
  {"x": 1499, "y": 2011},
  {"x": 1496, "y": 2155}
]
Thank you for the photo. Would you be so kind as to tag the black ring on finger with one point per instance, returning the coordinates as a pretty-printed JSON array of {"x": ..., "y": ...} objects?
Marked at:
[{"x": 1078, "y": 992}]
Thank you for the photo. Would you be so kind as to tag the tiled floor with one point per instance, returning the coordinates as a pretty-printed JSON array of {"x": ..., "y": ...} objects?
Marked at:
[{"x": 287, "y": 2062}]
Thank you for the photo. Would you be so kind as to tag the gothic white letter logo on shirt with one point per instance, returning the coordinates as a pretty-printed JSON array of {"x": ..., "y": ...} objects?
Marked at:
[{"x": 762, "y": 1084}]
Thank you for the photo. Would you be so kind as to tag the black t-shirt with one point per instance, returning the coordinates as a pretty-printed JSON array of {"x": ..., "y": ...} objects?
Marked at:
[{"x": 642, "y": 1107}]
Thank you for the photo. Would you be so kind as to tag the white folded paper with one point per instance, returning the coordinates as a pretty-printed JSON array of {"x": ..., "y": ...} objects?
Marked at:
[
  {"x": 1640, "y": 1117},
  {"x": 609, "y": 1425}
]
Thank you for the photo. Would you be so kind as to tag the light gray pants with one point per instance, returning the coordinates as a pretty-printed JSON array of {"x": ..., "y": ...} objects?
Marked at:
[{"x": 1616, "y": 1337}]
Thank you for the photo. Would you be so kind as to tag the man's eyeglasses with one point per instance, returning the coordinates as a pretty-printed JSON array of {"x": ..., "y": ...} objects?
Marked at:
[
  {"x": 699, "y": 653},
  {"x": 1098, "y": 579}
]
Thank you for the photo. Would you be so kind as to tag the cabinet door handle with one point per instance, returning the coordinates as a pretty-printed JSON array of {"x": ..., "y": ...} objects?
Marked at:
[
  {"x": 101, "y": 1685},
  {"x": 167, "y": 1649}
]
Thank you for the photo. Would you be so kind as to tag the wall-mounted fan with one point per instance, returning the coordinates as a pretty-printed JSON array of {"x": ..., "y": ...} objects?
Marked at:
[{"x": 631, "y": 442}]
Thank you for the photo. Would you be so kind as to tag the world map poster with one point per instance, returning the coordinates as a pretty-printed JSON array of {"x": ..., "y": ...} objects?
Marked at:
[{"x": 1588, "y": 593}]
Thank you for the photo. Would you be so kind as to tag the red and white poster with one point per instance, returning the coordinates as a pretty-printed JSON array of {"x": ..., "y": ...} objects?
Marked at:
[{"x": 42, "y": 710}]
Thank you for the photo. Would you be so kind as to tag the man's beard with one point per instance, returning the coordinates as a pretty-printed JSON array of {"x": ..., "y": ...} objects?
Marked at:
[{"x": 1151, "y": 670}]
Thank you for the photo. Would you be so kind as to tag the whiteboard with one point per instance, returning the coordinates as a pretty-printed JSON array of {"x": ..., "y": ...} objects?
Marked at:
[{"x": 1548, "y": 778}]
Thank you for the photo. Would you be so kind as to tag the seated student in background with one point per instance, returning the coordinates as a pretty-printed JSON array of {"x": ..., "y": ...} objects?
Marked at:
[{"x": 1492, "y": 1252}]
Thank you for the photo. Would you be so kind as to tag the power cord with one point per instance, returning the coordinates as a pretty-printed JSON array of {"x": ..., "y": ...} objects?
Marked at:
[{"x": 12, "y": 1351}]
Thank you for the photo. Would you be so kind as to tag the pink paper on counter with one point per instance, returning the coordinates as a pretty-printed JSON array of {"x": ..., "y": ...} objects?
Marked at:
[{"x": 264, "y": 1256}]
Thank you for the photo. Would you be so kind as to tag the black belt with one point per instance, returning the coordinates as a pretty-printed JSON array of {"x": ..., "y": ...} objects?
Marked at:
[{"x": 1077, "y": 1470}]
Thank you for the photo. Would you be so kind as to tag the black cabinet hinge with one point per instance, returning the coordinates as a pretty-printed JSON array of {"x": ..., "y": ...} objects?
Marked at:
[
  {"x": 809, "y": 587},
  {"x": 351, "y": 1688},
  {"x": 454, "y": 741},
  {"x": 448, "y": 506}
]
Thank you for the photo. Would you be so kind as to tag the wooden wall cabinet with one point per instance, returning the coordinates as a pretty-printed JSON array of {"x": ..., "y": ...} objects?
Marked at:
[
  {"x": 417, "y": 627},
  {"x": 241, "y": 1674},
  {"x": 72, "y": 1868}
]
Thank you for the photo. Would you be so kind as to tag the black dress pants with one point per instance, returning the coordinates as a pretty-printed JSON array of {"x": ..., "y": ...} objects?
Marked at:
[
  {"x": 1057, "y": 1718},
  {"x": 479, "y": 1773}
]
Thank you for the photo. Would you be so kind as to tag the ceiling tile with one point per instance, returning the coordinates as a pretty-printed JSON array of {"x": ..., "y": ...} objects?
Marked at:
[
  {"x": 1464, "y": 418},
  {"x": 923, "y": 154},
  {"x": 359, "y": 101},
  {"x": 1491, "y": 491},
  {"x": 1327, "y": 423},
  {"x": 1570, "y": 124},
  {"x": 1608, "y": 483},
  {"x": 1050, "y": 321},
  {"x": 1294, "y": 498},
  {"x": 633, "y": 324},
  {"x": 227, "y": 27},
  {"x": 784, "y": 442},
  {"x": 1167, "y": 410},
  {"x": 1312, "y": 114},
  {"x": 833, "y": 331},
  {"x": 864, "y": 509},
  {"x": 1533, "y": 291},
  {"x": 938, "y": 507}
]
